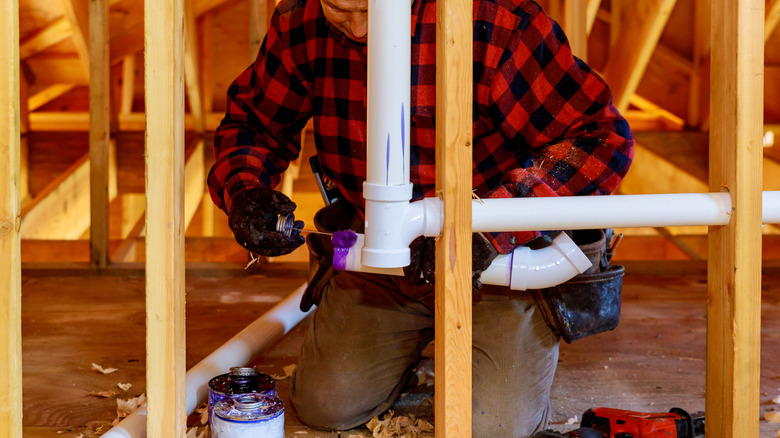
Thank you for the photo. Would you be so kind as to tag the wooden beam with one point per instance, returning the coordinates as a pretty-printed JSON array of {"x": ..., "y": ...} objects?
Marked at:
[
  {"x": 127, "y": 251},
  {"x": 51, "y": 70},
  {"x": 165, "y": 337},
  {"x": 734, "y": 259},
  {"x": 206, "y": 59},
  {"x": 576, "y": 27},
  {"x": 639, "y": 35},
  {"x": 593, "y": 11},
  {"x": 194, "y": 182},
  {"x": 24, "y": 149},
  {"x": 55, "y": 32},
  {"x": 260, "y": 12},
  {"x": 48, "y": 94},
  {"x": 453, "y": 248},
  {"x": 10, "y": 245},
  {"x": 77, "y": 14},
  {"x": 128, "y": 85},
  {"x": 676, "y": 241},
  {"x": 701, "y": 38},
  {"x": 62, "y": 209},
  {"x": 772, "y": 18},
  {"x": 79, "y": 121},
  {"x": 192, "y": 67},
  {"x": 99, "y": 131}
]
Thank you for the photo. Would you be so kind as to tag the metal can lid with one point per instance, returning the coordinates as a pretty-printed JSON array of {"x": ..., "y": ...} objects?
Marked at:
[
  {"x": 249, "y": 408},
  {"x": 243, "y": 371}
]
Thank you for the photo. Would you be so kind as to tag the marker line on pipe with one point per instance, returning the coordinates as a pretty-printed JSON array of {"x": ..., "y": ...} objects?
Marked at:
[{"x": 239, "y": 350}]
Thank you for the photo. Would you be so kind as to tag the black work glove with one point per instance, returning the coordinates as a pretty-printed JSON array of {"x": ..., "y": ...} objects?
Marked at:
[
  {"x": 253, "y": 216},
  {"x": 422, "y": 268}
]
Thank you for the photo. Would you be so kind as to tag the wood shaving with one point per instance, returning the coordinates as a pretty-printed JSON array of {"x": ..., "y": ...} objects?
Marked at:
[
  {"x": 102, "y": 370},
  {"x": 398, "y": 426},
  {"x": 778, "y": 434},
  {"x": 288, "y": 371},
  {"x": 192, "y": 432},
  {"x": 776, "y": 400},
  {"x": 124, "y": 386},
  {"x": 254, "y": 259},
  {"x": 103, "y": 394},
  {"x": 773, "y": 417},
  {"x": 126, "y": 407},
  {"x": 572, "y": 420},
  {"x": 203, "y": 410}
]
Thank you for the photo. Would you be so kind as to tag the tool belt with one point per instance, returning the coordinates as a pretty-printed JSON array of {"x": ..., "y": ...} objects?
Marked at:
[{"x": 589, "y": 303}]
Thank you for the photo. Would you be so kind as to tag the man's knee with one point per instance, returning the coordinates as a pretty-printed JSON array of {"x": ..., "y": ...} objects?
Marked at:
[{"x": 329, "y": 406}]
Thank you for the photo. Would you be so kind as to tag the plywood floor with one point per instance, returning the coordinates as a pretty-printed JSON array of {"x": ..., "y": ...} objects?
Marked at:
[{"x": 71, "y": 319}]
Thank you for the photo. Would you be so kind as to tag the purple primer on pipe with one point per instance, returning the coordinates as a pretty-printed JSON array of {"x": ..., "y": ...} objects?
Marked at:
[
  {"x": 403, "y": 133},
  {"x": 342, "y": 243},
  {"x": 387, "y": 163}
]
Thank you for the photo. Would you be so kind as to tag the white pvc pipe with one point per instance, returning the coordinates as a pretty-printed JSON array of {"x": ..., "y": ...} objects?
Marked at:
[
  {"x": 521, "y": 269},
  {"x": 525, "y": 268},
  {"x": 239, "y": 350},
  {"x": 771, "y": 207},
  {"x": 587, "y": 212},
  {"x": 387, "y": 190},
  {"x": 389, "y": 91}
]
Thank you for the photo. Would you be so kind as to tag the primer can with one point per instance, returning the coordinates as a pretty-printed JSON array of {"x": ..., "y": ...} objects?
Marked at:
[
  {"x": 249, "y": 416},
  {"x": 239, "y": 381}
]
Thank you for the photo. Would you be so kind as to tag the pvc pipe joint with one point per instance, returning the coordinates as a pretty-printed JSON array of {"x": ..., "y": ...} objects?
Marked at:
[
  {"x": 525, "y": 268},
  {"x": 392, "y": 222}
]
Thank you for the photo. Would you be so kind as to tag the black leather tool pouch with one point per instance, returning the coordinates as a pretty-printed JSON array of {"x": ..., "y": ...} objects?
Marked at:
[{"x": 589, "y": 303}]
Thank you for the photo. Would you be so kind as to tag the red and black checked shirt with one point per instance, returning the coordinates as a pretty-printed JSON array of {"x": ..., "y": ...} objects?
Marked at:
[{"x": 544, "y": 123}]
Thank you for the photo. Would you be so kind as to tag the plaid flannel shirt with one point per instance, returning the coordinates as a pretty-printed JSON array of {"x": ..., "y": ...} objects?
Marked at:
[{"x": 543, "y": 121}]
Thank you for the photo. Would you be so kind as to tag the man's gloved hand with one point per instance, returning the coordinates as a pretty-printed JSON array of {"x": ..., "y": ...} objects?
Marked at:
[
  {"x": 253, "y": 216},
  {"x": 422, "y": 267}
]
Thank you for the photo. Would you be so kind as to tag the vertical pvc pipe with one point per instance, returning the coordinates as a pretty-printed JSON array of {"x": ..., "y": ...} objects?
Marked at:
[
  {"x": 734, "y": 250},
  {"x": 387, "y": 190},
  {"x": 165, "y": 323},
  {"x": 389, "y": 85},
  {"x": 10, "y": 267}
]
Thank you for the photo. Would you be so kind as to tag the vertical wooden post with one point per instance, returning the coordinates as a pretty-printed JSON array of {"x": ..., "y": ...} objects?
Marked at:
[
  {"x": 454, "y": 77},
  {"x": 734, "y": 263},
  {"x": 576, "y": 27},
  {"x": 260, "y": 12},
  {"x": 10, "y": 210},
  {"x": 99, "y": 131},
  {"x": 165, "y": 335},
  {"x": 24, "y": 151}
]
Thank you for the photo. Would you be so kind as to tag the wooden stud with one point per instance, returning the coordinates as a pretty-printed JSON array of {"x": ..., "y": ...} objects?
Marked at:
[
  {"x": 701, "y": 38},
  {"x": 194, "y": 182},
  {"x": 128, "y": 85},
  {"x": 772, "y": 19},
  {"x": 10, "y": 245},
  {"x": 99, "y": 131},
  {"x": 734, "y": 260},
  {"x": 576, "y": 27},
  {"x": 639, "y": 35},
  {"x": 77, "y": 14},
  {"x": 192, "y": 67},
  {"x": 453, "y": 249},
  {"x": 206, "y": 60},
  {"x": 260, "y": 12},
  {"x": 24, "y": 151},
  {"x": 165, "y": 323},
  {"x": 593, "y": 11}
]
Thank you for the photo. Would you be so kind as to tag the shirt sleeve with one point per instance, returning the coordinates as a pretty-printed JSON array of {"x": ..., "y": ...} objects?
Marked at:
[
  {"x": 267, "y": 107},
  {"x": 551, "y": 104}
]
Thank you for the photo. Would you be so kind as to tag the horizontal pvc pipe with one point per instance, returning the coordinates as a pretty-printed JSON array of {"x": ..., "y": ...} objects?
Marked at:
[
  {"x": 587, "y": 212},
  {"x": 771, "y": 208},
  {"x": 239, "y": 350}
]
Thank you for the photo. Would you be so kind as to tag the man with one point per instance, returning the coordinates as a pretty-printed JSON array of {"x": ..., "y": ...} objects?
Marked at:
[{"x": 544, "y": 125}]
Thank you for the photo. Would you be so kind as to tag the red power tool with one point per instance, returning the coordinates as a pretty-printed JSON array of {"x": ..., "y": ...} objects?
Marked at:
[{"x": 617, "y": 423}]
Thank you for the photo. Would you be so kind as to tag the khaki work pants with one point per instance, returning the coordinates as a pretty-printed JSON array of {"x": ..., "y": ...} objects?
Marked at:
[{"x": 367, "y": 336}]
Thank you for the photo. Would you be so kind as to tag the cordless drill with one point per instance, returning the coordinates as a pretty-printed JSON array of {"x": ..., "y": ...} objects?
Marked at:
[{"x": 618, "y": 423}]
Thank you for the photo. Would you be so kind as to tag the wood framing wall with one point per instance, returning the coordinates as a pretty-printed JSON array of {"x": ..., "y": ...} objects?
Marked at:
[
  {"x": 165, "y": 321},
  {"x": 454, "y": 33},
  {"x": 10, "y": 219},
  {"x": 734, "y": 262}
]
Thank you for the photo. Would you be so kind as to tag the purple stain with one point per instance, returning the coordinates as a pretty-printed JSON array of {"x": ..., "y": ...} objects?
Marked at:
[
  {"x": 342, "y": 243},
  {"x": 500, "y": 424},
  {"x": 387, "y": 163},
  {"x": 403, "y": 134},
  {"x": 483, "y": 412}
]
